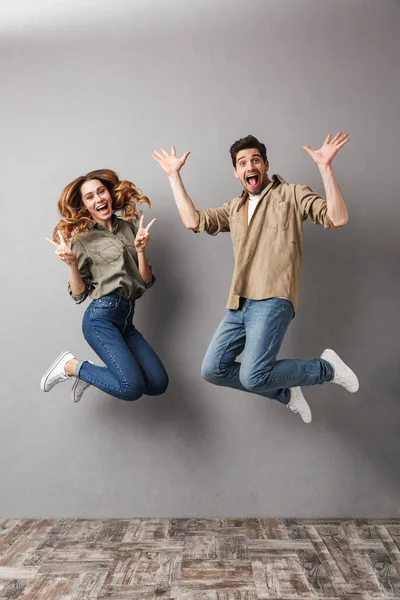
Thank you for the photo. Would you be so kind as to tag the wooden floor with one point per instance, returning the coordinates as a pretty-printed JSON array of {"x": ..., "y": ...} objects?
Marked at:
[{"x": 199, "y": 559}]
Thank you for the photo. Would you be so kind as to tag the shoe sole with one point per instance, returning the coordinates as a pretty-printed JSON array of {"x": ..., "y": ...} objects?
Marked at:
[
  {"x": 73, "y": 390},
  {"x": 351, "y": 388},
  {"x": 307, "y": 418},
  {"x": 49, "y": 370},
  {"x": 75, "y": 385}
]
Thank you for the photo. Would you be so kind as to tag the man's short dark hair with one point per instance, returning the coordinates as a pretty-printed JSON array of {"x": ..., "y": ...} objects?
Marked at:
[{"x": 247, "y": 142}]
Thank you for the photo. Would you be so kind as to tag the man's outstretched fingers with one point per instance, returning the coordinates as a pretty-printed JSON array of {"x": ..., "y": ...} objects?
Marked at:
[{"x": 337, "y": 136}]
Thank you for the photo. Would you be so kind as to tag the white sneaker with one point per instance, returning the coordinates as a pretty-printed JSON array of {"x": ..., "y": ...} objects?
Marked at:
[
  {"x": 298, "y": 404},
  {"x": 56, "y": 373},
  {"x": 344, "y": 376},
  {"x": 79, "y": 387}
]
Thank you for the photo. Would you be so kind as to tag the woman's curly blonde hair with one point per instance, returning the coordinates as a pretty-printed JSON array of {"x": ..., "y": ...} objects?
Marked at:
[{"x": 75, "y": 218}]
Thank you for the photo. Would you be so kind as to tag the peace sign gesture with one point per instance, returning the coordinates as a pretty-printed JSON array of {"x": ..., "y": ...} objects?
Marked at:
[
  {"x": 142, "y": 236},
  {"x": 63, "y": 251}
]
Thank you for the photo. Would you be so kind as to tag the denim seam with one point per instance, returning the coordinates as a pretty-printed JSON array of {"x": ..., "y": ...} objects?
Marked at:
[
  {"x": 278, "y": 329},
  {"x": 220, "y": 372},
  {"x": 283, "y": 377},
  {"x": 112, "y": 360},
  {"x": 274, "y": 382},
  {"x": 126, "y": 319}
]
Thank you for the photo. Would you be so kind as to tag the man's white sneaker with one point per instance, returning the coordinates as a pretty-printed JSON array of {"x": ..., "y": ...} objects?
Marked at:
[
  {"x": 344, "y": 376},
  {"x": 79, "y": 387},
  {"x": 56, "y": 373},
  {"x": 298, "y": 404}
]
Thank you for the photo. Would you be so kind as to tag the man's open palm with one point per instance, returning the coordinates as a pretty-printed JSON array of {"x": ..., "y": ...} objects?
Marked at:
[
  {"x": 170, "y": 163},
  {"x": 329, "y": 149}
]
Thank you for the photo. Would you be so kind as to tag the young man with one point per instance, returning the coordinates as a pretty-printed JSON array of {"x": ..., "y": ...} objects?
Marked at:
[{"x": 265, "y": 223}]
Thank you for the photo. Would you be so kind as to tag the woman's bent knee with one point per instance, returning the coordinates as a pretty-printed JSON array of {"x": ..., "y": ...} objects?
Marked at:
[
  {"x": 160, "y": 387},
  {"x": 130, "y": 393}
]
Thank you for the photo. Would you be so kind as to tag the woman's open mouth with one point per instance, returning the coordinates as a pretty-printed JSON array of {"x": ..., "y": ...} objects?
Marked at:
[{"x": 102, "y": 209}]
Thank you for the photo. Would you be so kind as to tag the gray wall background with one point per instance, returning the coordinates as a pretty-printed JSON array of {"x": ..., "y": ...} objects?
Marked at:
[{"x": 104, "y": 87}]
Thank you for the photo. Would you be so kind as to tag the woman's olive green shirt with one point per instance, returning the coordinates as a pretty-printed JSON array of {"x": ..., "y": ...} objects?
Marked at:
[{"x": 108, "y": 262}]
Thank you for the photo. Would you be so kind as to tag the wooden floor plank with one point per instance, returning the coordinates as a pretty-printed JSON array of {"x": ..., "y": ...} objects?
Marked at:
[{"x": 235, "y": 558}]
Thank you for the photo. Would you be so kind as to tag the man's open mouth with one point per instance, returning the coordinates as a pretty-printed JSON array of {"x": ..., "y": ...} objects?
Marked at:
[{"x": 252, "y": 180}]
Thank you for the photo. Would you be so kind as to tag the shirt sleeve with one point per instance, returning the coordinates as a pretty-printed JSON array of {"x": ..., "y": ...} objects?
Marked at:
[
  {"x": 214, "y": 220},
  {"x": 84, "y": 270},
  {"x": 152, "y": 281},
  {"x": 312, "y": 205}
]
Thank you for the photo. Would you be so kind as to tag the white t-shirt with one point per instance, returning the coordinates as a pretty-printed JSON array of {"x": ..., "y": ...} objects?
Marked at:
[{"x": 253, "y": 201}]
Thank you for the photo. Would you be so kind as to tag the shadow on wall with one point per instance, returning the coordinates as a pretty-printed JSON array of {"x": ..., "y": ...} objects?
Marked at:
[
  {"x": 178, "y": 416},
  {"x": 181, "y": 412},
  {"x": 349, "y": 300}
]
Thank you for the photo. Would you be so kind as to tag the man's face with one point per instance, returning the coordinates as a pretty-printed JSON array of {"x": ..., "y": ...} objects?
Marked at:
[{"x": 251, "y": 171}]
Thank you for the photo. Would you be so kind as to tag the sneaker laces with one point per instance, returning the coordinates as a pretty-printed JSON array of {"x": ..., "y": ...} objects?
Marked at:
[{"x": 340, "y": 378}]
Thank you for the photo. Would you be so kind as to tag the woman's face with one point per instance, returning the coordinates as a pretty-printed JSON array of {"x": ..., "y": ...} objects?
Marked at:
[{"x": 97, "y": 200}]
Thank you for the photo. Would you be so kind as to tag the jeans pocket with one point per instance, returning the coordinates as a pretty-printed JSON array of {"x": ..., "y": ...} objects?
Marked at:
[{"x": 106, "y": 303}]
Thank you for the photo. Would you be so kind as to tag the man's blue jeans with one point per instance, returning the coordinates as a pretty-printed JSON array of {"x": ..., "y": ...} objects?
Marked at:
[
  {"x": 257, "y": 329},
  {"x": 132, "y": 367}
]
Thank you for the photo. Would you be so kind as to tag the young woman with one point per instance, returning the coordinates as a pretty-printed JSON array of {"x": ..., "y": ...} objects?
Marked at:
[{"x": 106, "y": 258}]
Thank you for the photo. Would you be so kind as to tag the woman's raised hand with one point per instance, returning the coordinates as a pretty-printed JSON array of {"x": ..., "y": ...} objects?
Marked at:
[
  {"x": 63, "y": 251},
  {"x": 143, "y": 235}
]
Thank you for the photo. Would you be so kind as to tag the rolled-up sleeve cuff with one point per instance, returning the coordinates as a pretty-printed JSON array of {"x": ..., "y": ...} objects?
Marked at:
[
  {"x": 324, "y": 219},
  {"x": 202, "y": 222},
  {"x": 150, "y": 283},
  {"x": 328, "y": 224},
  {"x": 78, "y": 298}
]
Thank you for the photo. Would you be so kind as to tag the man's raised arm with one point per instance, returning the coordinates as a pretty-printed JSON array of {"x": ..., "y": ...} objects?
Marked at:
[
  {"x": 171, "y": 165},
  {"x": 337, "y": 210}
]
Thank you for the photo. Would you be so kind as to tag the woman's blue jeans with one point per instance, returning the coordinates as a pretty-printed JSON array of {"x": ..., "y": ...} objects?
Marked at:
[{"x": 132, "y": 368}]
